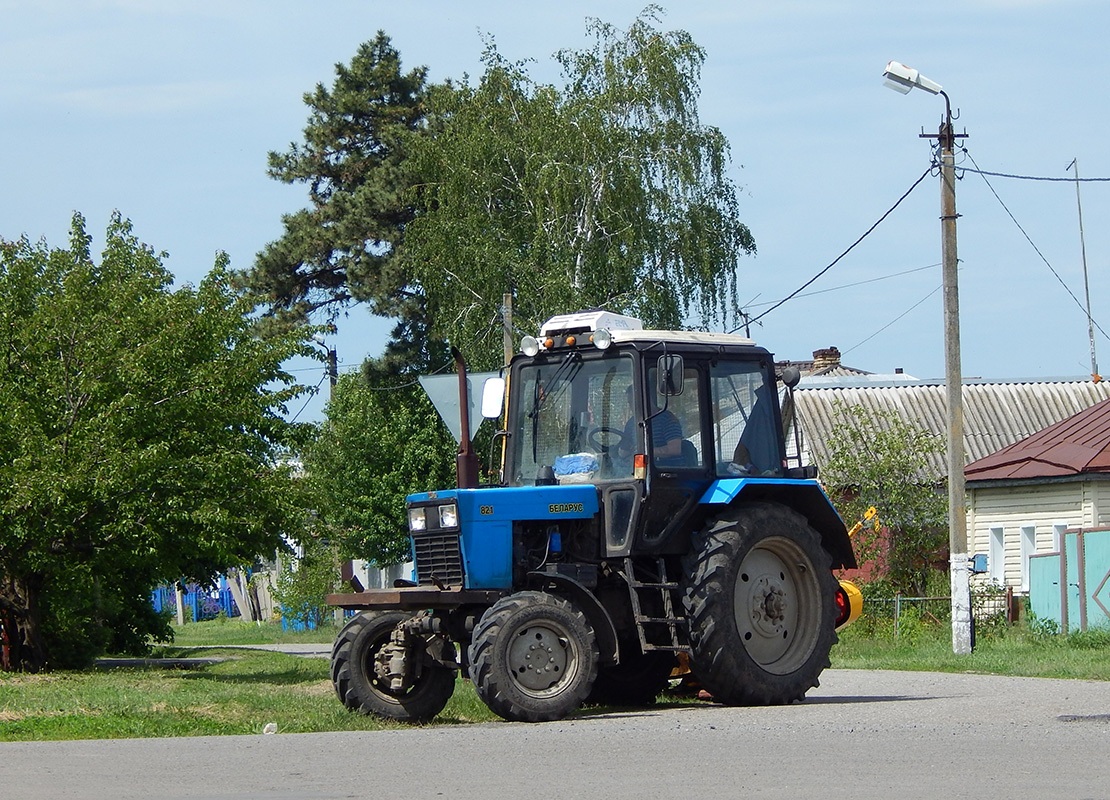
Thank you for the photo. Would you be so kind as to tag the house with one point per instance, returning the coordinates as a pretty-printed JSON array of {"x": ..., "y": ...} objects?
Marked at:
[
  {"x": 998, "y": 414},
  {"x": 1023, "y": 499}
]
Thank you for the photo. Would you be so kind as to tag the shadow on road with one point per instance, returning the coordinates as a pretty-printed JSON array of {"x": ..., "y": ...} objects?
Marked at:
[{"x": 852, "y": 699}]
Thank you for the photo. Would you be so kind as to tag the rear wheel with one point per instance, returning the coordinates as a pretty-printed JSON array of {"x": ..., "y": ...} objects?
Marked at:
[
  {"x": 359, "y": 677},
  {"x": 760, "y": 599},
  {"x": 533, "y": 657}
]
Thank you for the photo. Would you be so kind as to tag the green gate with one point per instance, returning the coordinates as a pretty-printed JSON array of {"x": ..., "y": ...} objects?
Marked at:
[{"x": 1072, "y": 587}]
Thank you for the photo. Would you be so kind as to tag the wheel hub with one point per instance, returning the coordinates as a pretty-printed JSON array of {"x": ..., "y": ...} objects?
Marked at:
[
  {"x": 769, "y": 605},
  {"x": 538, "y": 658}
]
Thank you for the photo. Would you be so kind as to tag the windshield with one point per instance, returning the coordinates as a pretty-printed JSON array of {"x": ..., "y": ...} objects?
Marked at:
[{"x": 571, "y": 415}]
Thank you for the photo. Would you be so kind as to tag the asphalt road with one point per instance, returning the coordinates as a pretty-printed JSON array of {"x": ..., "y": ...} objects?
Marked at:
[{"x": 861, "y": 735}]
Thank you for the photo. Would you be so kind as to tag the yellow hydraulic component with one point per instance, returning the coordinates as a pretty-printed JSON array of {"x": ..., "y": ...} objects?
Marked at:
[{"x": 870, "y": 514}]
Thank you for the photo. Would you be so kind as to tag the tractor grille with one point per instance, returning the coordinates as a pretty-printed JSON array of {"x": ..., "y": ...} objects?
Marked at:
[{"x": 438, "y": 559}]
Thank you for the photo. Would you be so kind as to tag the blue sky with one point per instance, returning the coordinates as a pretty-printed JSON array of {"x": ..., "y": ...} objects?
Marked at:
[{"x": 166, "y": 111}]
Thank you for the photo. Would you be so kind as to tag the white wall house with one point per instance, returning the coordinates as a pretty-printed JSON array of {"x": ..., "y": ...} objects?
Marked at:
[
  {"x": 1023, "y": 498},
  {"x": 1009, "y": 523}
]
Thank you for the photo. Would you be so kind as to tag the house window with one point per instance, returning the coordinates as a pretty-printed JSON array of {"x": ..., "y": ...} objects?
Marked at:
[
  {"x": 1058, "y": 529},
  {"x": 996, "y": 556},
  {"x": 1028, "y": 548}
]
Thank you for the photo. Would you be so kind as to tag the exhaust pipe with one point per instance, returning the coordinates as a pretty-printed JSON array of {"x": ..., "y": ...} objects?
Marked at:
[{"x": 466, "y": 462}]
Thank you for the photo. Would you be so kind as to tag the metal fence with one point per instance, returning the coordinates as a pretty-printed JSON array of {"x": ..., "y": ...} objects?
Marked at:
[
  {"x": 988, "y": 604},
  {"x": 198, "y": 603}
]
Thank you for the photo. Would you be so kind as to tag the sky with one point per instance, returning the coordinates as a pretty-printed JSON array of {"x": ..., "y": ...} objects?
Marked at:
[{"x": 165, "y": 111}]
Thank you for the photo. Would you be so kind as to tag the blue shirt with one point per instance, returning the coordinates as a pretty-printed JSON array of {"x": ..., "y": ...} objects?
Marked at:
[{"x": 665, "y": 427}]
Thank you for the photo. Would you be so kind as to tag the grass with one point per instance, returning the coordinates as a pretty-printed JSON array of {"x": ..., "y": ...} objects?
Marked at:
[
  {"x": 238, "y": 695},
  {"x": 223, "y": 631},
  {"x": 1021, "y": 650},
  {"x": 247, "y": 689}
]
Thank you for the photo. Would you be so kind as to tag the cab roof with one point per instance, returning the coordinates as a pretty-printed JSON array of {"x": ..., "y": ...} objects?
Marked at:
[
  {"x": 628, "y": 329},
  {"x": 681, "y": 337}
]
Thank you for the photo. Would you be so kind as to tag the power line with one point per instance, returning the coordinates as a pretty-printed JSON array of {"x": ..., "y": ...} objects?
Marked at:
[
  {"x": 1028, "y": 177},
  {"x": 896, "y": 319},
  {"x": 851, "y": 247},
  {"x": 442, "y": 369},
  {"x": 1036, "y": 249},
  {"x": 341, "y": 367},
  {"x": 309, "y": 400},
  {"x": 852, "y": 285},
  {"x": 399, "y": 386}
]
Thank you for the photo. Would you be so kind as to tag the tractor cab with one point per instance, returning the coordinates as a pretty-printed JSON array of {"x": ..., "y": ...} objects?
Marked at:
[
  {"x": 643, "y": 415},
  {"x": 597, "y": 398}
]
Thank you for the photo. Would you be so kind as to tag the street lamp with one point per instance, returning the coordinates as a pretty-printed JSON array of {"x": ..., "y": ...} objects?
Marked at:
[{"x": 902, "y": 79}]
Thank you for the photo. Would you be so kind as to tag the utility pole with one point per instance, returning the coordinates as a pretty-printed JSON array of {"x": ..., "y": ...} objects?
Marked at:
[
  {"x": 333, "y": 372},
  {"x": 1086, "y": 284},
  {"x": 953, "y": 382},
  {"x": 507, "y": 325},
  {"x": 744, "y": 315},
  {"x": 332, "y": 363},
  {"x": 903, "y": 79}
]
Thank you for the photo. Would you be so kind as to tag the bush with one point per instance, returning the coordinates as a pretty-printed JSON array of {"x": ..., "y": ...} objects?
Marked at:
[
  {"x": 990, "y": 610},
  {"x": 303, "y": 586}
]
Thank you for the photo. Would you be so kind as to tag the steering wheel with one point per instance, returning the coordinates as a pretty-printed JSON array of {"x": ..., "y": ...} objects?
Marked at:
[{"x": 605, "y": 438}]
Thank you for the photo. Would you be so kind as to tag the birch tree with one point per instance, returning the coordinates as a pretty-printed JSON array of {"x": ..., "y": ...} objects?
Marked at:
[{"x": 606, "y": 190}]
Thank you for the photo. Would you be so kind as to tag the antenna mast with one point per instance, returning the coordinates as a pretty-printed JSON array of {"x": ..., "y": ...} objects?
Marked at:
[{"x": 1086, "y": 284}]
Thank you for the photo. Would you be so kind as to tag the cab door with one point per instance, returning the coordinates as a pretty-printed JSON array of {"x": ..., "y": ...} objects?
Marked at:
[{"x": 675, "y": 482}]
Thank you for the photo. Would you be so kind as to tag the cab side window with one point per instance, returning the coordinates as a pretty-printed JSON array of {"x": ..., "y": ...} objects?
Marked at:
[{"x": 744, "y": 420}]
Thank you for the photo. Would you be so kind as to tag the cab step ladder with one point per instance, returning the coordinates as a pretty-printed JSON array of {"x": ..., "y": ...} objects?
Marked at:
[{"x": 670, "y": 623}]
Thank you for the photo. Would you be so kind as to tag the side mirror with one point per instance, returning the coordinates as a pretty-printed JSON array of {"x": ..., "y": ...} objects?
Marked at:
[
  {"x": 670, "y": 375},
  {"x": 791, "y": 376},
  {"x": 493, "y": 397}
]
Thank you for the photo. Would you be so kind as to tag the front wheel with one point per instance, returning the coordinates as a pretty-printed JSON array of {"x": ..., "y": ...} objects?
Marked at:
[
  {"x": 760, "y": 596},
  {"x": 358, "y": 674},
  {"x": 533, "y": 657}
]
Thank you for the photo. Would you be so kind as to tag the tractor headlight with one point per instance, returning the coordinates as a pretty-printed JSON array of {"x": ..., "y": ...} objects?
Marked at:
[
  {"x": 417, "y": 520},
  {"x": 449, "y": 516},
  {"x": 530, "y": 345}
]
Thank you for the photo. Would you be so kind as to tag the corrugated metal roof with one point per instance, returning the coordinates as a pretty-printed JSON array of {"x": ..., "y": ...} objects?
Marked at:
[
  {"x": 996, "y": 413},
  {"x": 1077, "y": 445},
  {"x": 810, "y": 368}
]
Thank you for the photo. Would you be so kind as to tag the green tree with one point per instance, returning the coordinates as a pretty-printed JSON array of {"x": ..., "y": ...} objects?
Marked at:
[
  {"x": 140, "y": 427},
  {"x": 376, "y": 446},
  {"x": 877, "y": 458},
  {"x": 353, "y": 158},
  {"x": 606, "y": 191}
]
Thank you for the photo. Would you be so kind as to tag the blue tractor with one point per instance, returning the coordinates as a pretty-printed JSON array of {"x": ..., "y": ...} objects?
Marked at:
[{"x": 646, "y": 513}]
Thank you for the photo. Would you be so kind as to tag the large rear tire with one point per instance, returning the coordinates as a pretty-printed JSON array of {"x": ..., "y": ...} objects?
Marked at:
[
  {"x": 533, "y": 657},
  {"x": 760, "y": 599},
  {"x": 360, "y": 686}
]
